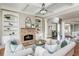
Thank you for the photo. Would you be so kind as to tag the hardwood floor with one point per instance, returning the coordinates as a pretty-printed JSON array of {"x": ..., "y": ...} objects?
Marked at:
[
  {"x": 76, "y": 51},
  {"x": 2, "y": 51}
]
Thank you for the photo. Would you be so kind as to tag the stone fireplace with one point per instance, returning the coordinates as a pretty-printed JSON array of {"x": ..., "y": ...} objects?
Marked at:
[{"x": 28, "y": 36}]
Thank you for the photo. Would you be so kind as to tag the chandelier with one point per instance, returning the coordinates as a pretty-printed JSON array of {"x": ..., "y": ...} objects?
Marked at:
[{"x": 43, "y": 10}]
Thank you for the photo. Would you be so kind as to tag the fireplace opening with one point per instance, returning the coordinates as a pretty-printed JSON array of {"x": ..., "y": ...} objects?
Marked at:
[{"x": 28, "y": 37}]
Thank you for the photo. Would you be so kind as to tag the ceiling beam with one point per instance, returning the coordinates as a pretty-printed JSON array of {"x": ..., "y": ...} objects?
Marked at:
[
  {"x": 72, "y": 19},
  {"x": 64, "y": 10},
  {"x": 14, "y": 10},
  {"x": 26, "y": 6}
]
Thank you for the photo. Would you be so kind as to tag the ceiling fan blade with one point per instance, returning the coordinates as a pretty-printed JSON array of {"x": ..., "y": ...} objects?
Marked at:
[{"x": 38, "y": 13}]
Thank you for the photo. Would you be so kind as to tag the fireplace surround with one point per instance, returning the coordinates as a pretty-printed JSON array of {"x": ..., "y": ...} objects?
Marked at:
[{"x": 28, "y": 36}]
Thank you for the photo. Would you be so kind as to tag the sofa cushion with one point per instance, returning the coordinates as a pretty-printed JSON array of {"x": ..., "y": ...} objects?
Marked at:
[
  {"x": 39, "y": 51},
  {"x": 68, "y": 41},
  {"x": 51, "y": 48}
]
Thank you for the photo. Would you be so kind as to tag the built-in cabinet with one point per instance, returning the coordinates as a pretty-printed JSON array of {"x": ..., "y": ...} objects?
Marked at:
[{"x": 10, "y": 24}]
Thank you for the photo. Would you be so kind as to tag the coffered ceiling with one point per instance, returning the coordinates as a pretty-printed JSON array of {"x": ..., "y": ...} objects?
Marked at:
[
  {"x": 34, "y": 8},
  {"x": 66, "y": 11}
]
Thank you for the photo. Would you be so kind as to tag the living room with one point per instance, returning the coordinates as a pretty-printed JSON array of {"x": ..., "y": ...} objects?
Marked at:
[{"x": 27, "y": 28}]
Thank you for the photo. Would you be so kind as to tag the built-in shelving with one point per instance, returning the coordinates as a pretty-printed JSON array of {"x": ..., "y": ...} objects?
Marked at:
[{"x": 10, "y": 23}]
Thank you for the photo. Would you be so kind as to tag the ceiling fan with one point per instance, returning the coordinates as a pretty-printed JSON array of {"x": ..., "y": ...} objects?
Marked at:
[
  {"x": 43, "y": 10},
  {"x": 48, "y": 9}
]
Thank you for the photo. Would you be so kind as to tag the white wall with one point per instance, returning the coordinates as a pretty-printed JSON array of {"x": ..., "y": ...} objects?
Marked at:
[{"x": 75, "y": 29}]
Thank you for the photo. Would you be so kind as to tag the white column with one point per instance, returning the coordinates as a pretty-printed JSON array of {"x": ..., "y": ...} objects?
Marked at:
[
  {"x": 58, "y": 31},
  {"x": 46, "y": 28},
  {"x": 62, "y": 30}
]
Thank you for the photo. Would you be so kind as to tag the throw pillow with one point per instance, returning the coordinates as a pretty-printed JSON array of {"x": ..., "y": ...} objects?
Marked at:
[{"x": 63, "y": 44}]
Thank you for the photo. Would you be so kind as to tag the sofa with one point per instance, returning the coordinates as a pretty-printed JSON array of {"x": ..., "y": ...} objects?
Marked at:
[
  {"x": 65, "y": 51},
  {"x": 14, "y": 50},
  {"x": 68, "y": 50},
  {"x": 20, "y": 51}
]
